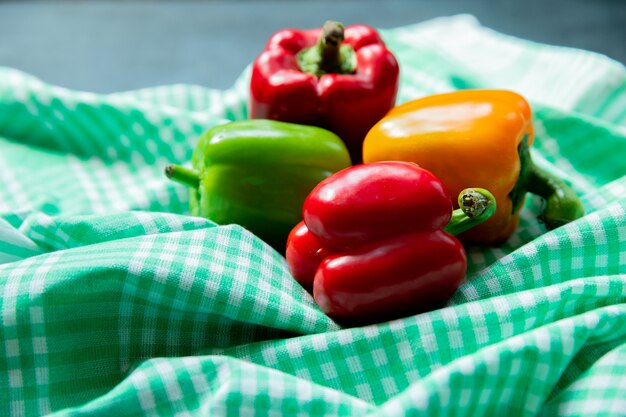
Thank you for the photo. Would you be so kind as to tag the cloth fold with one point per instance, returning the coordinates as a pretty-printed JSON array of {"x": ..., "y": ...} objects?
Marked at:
[{"x": 114, "y": 301}]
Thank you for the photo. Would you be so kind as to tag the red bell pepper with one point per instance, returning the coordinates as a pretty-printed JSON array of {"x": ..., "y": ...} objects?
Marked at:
[
  {"x": 377, "y": 241},
  {"x": 344, "y": 80}
]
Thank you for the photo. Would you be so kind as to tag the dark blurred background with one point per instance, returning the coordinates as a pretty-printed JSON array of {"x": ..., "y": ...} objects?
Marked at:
[{"x": 107, "y": 46}]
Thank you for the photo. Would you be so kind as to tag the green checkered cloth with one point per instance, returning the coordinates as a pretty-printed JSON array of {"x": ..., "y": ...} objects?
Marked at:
[{"x": 115, "y": 302}]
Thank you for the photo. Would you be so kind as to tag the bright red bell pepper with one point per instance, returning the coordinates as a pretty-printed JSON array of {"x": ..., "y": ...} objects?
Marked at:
[
  {"x": 304, "y": 254},
  {"x": 344, "y": 80},
  {"x": 377, "y": 241}
]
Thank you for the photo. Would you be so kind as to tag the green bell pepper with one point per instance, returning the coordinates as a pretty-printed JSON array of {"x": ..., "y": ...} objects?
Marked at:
[{"x": 257, "y": 173}]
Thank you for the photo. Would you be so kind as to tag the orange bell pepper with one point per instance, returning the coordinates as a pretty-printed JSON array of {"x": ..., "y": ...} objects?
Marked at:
[{"x": 475, "y": 138}]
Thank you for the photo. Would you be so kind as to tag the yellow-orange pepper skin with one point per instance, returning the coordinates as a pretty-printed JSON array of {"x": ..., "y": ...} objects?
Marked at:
[{"x": 469, "y": 138}]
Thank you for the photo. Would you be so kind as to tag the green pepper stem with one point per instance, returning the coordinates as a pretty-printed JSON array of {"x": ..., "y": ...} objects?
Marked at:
[
  {"x": 476, "y": 205},
  {"x": 182, "y": 175},
  {"x": 562, "y": 204}
]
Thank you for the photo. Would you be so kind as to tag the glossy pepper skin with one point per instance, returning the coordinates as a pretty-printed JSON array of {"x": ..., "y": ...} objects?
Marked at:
[
  {"x": 475, "y": 137},
  {"x": 257, "y": 173},
  {"x": 376, "y": 241},
  {"x": 342, "y": 80}
]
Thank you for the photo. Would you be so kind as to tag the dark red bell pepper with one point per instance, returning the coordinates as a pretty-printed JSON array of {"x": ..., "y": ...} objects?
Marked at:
[
  {"x": 344, "y": 80},
  {"x": 377, "y": 241}
]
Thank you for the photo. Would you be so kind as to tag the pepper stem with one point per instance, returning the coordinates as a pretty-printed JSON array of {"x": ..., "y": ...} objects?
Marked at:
[
  {"x": 329, "y": 43},
  {"x": 328, "y": 55},
  {"x": 476, "y": 206},
  {"x": 562, "y": 203},
  {"x": 182, "y": 175}
]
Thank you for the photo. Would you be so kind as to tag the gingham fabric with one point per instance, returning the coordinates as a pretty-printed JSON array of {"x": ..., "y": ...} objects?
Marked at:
[{"x": 115, "y": 302}]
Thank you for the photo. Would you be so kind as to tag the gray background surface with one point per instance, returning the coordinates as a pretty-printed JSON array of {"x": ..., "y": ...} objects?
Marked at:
[{"x": 107, "y": 46}]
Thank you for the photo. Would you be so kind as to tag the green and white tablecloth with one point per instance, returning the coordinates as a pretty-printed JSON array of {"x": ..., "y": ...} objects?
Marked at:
[{"x": 113, "y": 302}]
